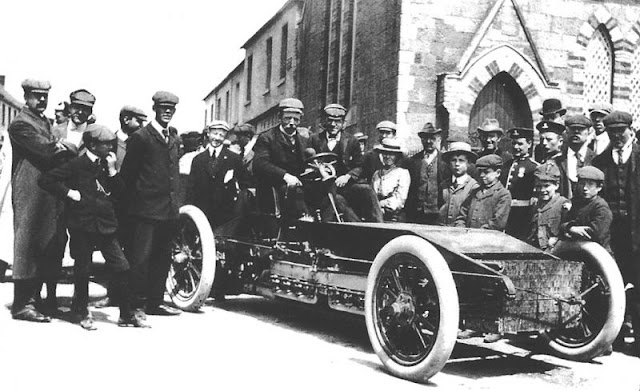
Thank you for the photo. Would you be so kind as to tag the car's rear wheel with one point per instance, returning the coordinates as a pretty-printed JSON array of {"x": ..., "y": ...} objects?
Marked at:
[
  {"x": 193, "y": 264},
  {"x": 411, "y": 308},
  {"x": 595, "y": 314}
]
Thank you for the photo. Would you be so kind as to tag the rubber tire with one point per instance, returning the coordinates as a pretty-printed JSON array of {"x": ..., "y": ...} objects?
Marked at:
[
  {"x": 449, "y": 308},
  {"x": 207, "y": 276},
  {"x": 593, "y": 252}
]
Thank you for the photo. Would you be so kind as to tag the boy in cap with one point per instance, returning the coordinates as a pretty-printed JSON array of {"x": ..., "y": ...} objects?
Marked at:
[
  {"x": 457, "y": 187},
  {"x": 80, "y": 109},
  {"x": 89, "y": 184},
  {"x": 590, "y": 216},
  {"x": 488, "y": 205},
  {"x": 517, "y": 177},
  {"x": 150, "y": 171},
  {"x": 550, "y": 209},
  {"x": 621, "y": 166}
]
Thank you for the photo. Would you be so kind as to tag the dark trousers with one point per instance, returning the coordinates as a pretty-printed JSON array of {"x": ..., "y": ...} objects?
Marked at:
[
  {"x": 82, "y": 245},
  {"x": 364, "y": 201},
  {"x": 149, "y": 255},
  {"x": 50, "y": 266},
  {"x": 518, "y": 222},
  {"x": 289, "y": 200}
]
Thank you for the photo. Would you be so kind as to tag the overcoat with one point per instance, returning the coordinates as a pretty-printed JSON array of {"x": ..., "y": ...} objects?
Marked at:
[
  {"x": 150, "y": 173},
  {"x": 453, "y": 199},
  {"x": 485, "y": 208},
  {"x": 274, "y": 156},
  {"x": 37, "y": 214}
]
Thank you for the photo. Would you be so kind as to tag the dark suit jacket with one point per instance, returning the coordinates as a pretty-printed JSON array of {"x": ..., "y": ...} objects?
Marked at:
[
  {"x": 151, "y": 175},
  {"x": 94, "y": 212},
  {"x": 414, "y": 165},
  {"x": 207, "y": 189},
  {"x": 275, "y": 156},
  {"x": 593, "y": 213},
  {"x": 347, "y": 149}
]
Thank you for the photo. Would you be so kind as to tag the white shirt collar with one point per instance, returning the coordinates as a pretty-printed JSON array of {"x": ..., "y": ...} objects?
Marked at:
[
  {"x": 428, "y": 157},
  {"x": 286, "y": 134},
  {"x": 626, "y": 151},
  {"x": 92, "y": 156},
  {"x": 582, "y": 151},
  {"x": 157, "y": 127},
  {"x": 462, "y": 179},
  {"x": 71, "y": 126},
  {"x": 211, "y": 148},
  {"x": 121, "y": 135},
  {"x": 249, "y": 146}
]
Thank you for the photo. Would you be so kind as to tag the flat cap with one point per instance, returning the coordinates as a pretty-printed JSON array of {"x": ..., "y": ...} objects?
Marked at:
[
  {"x": 133, "y": 111},
  {"x": 34, "y": 85},
  {"x": 360, "y": 136},
  {"x": 490, "y": 125},
  {"x": 99, "y": 132},
  {"x": 602, "y": 108},
  {"x": 489, "y": 161},
  {"x": 428, "y": 128},
  {"x": 577, "y": 121},
  {"x": 552, "y": 106},
  {"x": 591, "y": 173},
  {"x": 245, "y": 128},
  {"x": 388, "y": 125},
  {"x": 618, "y": 119},
  {"x": 62, "y": 106},
  {"x": 460, "y": 147},
  {"x": 547, "y": 173},
  {"x": 165, "y": 98},
  {"x": 292, "y": 105},
  {"x": 335, "y": 110},
  {"x": 82, "y": 97},
  {"x": 218, "y": 124},
  {"x": 520, "y": 133},
  {"x": 550, "y": 126}
]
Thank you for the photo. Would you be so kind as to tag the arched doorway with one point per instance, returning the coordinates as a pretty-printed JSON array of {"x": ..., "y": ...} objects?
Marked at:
[{"x": 503, "y": 99}]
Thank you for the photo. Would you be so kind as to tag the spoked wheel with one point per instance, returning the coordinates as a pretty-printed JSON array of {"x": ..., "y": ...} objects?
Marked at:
[
  {"x": 594, "y": 315},
  {"x": 193, "y": 264},
  {"x": 411, "y": 308}
]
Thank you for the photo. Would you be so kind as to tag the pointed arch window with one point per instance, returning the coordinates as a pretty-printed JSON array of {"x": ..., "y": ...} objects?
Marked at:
[{"x": 598, "y": 84}]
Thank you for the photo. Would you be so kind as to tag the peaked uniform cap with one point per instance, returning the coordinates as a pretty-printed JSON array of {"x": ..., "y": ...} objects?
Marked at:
[
  {"x": 292, "y": 105},
  {"x": 618, "y": 119},
  {"x": 388, "y": 125},
  {"x": 590, "y": 173},
  {"x": 490, "y": 125},
  {"x": 521, "y": 133},
  {"x": 577, "y": 121},
  {"x": 98, "y": 132},
  {"x": 82, "y": 97},
  {"x": 34, "y": 85},
  {"x": 550, "y": 126},
  {"x": 335, "y": 110},
  {"x": 165, "y": 98}
]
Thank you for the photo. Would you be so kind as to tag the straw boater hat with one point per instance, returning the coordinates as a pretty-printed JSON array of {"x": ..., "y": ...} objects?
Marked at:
[
  {"x": 360, "y": 136},
  {"x": 490, "y": 125},
  {"x": 459, "y": 147},
  {"x": 390, "y": 145}
]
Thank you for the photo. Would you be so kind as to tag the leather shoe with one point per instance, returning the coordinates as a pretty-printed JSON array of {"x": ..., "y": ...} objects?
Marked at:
[
  {"x": 133, "y": 320},
  {"x": 30, "y": 314},
  {"x": 87, "y": 323},
  {"x": 106, "y": 302},
  {"x": 162, "y": 310}
]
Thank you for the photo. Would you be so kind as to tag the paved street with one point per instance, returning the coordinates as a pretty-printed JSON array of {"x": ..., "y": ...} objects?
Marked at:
[{"x": 253, "y": 342}]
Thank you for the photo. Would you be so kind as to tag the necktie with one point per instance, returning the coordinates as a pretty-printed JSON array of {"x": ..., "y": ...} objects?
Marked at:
[
  {"x": 620, "y": 158},
  {"x": 165, "y": 132},
  {"x": 213, "y": 154},
  {"x": 455, "y": 183}
]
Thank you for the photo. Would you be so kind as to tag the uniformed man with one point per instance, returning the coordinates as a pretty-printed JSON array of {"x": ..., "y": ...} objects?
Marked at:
[
  {"x": 150, "y": 173},
  {"x": 457, "y": 187},
  {"x": 279, "y": 161},
  {"x": 621, "y": 166},
  {"x": 552, "y": 111},
  {"x": 131, "y": 119},
  {"x": 599, "y": 138},
  {"x": 61, "y": 112},
  {"x": 518, "y": 178},
  {"x": 80, "y": 109},
  {"x": 428, "y": 171},
  {"x": 490, "y": 134},
  {"x": 38, "y": 225},
  {"x": 577, "y": 154},
  {"x": 552, "y": 140}
]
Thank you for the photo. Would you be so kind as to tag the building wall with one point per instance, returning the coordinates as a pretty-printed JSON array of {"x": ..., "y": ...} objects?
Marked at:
[
  {"x": 216, "y": 105},
  {"x": 9, "y": 108}
]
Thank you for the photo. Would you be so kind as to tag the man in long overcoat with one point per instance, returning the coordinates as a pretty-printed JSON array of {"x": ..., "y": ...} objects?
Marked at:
[{"x": 38, "y": 225}]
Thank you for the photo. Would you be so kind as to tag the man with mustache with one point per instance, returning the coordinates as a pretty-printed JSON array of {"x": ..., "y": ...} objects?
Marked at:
[
  {"x": 620, "y": 164},
  {"x": 577, "y": 154},
  {"x": 38, "y": 226},
  {"x": 490, "y": 134}
]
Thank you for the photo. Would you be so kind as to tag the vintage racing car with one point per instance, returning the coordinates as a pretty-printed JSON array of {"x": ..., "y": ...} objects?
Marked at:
[{"x": 414, "y": 284}]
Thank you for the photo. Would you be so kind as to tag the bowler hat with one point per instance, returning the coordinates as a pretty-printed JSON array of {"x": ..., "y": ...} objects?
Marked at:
[
  {"x": 459, "y": 147},
  {"x": 552, "y": 106},
  {"x": 165, "y": 98},
  {"x": 490, "y": 125},
  {"x": 33, "y": 85},
  {"x": 391, "y": 145},
  {"x": 550, "y": 126},
  {"x": 429, "y": 129}
]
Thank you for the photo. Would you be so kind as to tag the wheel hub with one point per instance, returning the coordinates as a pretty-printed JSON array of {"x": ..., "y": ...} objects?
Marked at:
[{"x": 403, "y": 309}]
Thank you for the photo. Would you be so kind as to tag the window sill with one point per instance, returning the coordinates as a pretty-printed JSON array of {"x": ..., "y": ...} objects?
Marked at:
[
  {"x": 266, "y": 92},
  {"x": 282, "y": 81},
  {"x": 247, "y": 102}
]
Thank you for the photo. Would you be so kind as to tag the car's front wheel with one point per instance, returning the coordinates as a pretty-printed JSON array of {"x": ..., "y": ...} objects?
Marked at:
[{"x": 411, "y": 308}]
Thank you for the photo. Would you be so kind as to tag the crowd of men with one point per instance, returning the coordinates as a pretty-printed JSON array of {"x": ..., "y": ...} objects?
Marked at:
[{"x": 119, "y": 192}]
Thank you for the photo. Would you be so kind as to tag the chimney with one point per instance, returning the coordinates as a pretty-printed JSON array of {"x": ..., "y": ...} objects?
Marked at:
[{"x": 2, "y": 80}]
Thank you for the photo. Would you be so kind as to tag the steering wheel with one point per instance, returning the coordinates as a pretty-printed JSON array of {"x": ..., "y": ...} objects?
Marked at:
[{"x": 320, "y": 167}]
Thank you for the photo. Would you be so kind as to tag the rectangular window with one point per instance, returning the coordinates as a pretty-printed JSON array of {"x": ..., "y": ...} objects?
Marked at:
[
  {"x": 3, "y": 114},
  {"x": 249, "y": 75},
  {"x": 218, "y": 108},
  {"x": 212, "y": 113},
  {"x": 283, "y": 51},
  {"x": 237, "y": 114},
  {"x": 227, "y": 107},
  {"x": 267, "y": 80}
]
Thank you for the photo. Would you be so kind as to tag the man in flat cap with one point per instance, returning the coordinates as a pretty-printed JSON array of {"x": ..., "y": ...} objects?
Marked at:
[
  {"x": 279, "y": 161},
  {"x": 599, "y": 139},
  {"x": 80, "y": 108},
  {"x": 552, "y": 141},
  {"x": 620, "y": 164},
  {"x": 518, "y": 178},
  {"x": 427, "y": 171},
  {"x": 38, "y": 226},
  {"x": 131, "y": 119},
  {"x": 151, "y": 175},
  {"x": 490, "y": 134},
  {"x": 216, "y": 178},
  {"x": 61, "y": 112},
  {"x": 89, "y": 184},
  {"x": 577, "y": 154}
]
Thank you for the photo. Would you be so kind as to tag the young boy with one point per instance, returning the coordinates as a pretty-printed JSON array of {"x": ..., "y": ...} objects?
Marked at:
[
  {"x": 590, "y": 216},
  {"x": 550, "y": 210},
  {"x": 487, "y": 206},
  {"x": 456, "y": 188},
  {"x": 89, "y": 184}
]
